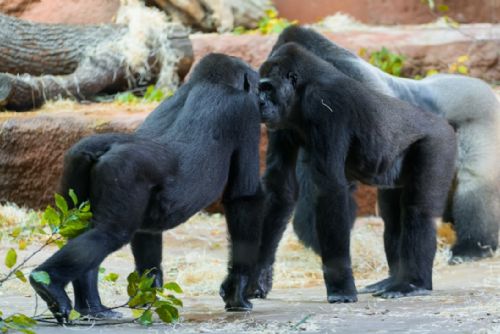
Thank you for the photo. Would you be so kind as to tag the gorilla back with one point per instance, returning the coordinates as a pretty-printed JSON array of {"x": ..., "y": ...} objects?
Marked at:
[
  {"x": 468, "y": 104},
  {"x": 351, "y": 133},
  {"x": 196, "y": 146}
]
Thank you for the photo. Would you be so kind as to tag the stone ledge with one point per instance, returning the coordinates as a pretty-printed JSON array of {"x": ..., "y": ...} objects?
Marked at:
[{"x": 32, "y": 147}]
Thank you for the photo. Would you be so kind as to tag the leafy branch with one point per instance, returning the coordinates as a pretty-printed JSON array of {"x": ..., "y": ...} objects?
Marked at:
[{"x": 61, "y": 224}]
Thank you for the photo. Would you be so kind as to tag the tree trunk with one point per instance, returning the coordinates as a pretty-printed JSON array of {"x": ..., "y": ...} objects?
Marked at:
[
  {"x": 214, "y": 15},
  {"x": 75, "y": 61}
]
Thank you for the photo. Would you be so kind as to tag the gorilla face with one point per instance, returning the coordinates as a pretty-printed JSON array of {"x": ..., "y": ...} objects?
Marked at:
[{"x": 276, "y": 97}]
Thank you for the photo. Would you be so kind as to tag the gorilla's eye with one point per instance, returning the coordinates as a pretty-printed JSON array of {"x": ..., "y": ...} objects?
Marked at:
[{"x": 265, "y": 85}]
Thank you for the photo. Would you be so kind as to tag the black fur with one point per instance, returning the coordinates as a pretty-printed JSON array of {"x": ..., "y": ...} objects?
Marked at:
[
  {"x": 350, "y": 133},
  {"x": 197, "y": 145},
  {"x": 470, "y": 107}
]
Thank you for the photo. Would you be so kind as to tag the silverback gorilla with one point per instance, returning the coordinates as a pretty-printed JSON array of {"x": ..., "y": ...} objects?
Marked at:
[
  {"x": 197, "y": 145},
  {"x": 469, "y": 105},
  {"x": 350, "y": 133}
]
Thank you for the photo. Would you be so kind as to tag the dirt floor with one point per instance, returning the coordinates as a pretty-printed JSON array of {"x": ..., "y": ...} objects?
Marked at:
[{"x": 466, "y": 297}]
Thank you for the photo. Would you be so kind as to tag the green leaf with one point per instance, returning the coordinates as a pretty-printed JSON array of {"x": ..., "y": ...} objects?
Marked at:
[
  {"x": 19, "y": 274},
  {"x": 164, "y": 315},
  {"x": 84, "y": 207},
  {"x": 61, "y": 204},
  {"x": 111, "y": 277},
  {"x": 146, "y": 318},
  {"x": 60, "y": 243},
  {"x": 175, "y": 300},
  {"x": 73, "y": 315},
  {"x": 73, "y": 229},
  {"x": 443, "y": 8},
  {"x": 73, "y": 196},
  {"x": 19, "y": 322},
  {"x": 137, "y": 313},
  {"x": 11, "y": 258},
  {"x": 146, "y": 282},
  {"x": 133, "y": 281},
  {"x": 51, "y": 218},
  {"x": 102, "y": 270},
  {"x": 172, "y": 286},
  {"x": 138, "y": 299},
  {"x": 41, "y": 277},
  {"x": 462, "y": 69},
  {"x": 16, "y": 231}
]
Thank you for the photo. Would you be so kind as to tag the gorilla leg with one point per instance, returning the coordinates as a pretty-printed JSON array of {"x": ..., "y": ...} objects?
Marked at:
[
  {"x": 476, "y": 209},
  {"x": 87, "y": 300},
  {"x": 334, "y": 219},
  {"x": 72, "y": 262},
  {"x": 304, "y": 219},
  {"x": 477, "y": 223},
  {"x": 243, "y": 216},
  {"x": 428, "y": 172},
  {"x": 147, "y": 250},
  {"x": 389, "y": 205},
  {"x": 280, "y": 186},
  {"x": 115, "y": 218}
]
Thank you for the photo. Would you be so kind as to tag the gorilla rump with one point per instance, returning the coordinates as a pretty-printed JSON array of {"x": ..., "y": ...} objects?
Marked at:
[
  {"x": 468, "y": 104},
  {"x": 348, "y": 133},
  {"x": 197, "y": 145}
]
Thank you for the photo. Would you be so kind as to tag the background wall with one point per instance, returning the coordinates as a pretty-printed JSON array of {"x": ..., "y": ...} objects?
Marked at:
[{"x": 389, "y": 11}]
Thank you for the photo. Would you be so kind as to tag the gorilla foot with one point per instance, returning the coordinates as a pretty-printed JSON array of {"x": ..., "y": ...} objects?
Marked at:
[
  {"x": 337, "y": 298},
  {"x": 467, "y": 253},
  {"x": 260, "y": 284},
  {"x": 56, "y": 298},
  {"x": 101, "y": 312},
  {"x": 398, "y": 290},
  {"x": 232, "y": 292},
  {"x": 379, "y": 286}
]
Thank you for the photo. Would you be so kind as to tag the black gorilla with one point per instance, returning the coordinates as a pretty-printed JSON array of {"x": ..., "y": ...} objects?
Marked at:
[
  {"x": 197, "y": 145},
  {"x": 348, "y": 133},
  {"x": 468, "y": 104}
]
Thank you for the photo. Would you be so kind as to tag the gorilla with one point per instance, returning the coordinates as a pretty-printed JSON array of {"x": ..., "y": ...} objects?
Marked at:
[
  {"x": 473, "y": 110},
  {"x": 195, "y": 146},
  {"x": 349, "y": 133}
]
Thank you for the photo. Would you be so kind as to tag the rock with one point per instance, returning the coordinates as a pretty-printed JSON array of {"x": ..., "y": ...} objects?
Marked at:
[
  {"x": 389, "y": 11},
  {"x": 32, "y": 146},
  {"x": 60, "y": 11},
  {"x": 15, "y": 7},
  {"x": 424, "y": 47}
]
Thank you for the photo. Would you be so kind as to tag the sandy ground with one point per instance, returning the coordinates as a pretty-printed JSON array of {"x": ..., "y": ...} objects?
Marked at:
[{"x": 466, "y": 297}]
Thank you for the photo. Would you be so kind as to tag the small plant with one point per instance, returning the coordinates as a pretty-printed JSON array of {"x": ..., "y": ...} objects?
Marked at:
[
  {"x": 61, "y": 224},
  {"x": 152, "y": 94},
  {"x": 146, "y": 299},
  {"x": 17, "y": 322},
  {"x": 64, "y": 223},
  {"x": 384, "y": 59},
  {"x": 271, "y": 23},
  {"x": 460, "y": 65}
]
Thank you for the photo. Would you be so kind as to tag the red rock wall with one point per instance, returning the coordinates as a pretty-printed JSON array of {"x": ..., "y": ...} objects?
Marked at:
[
  {"x": 389, "y": 11},
  {"x": 62, "y": 11}
]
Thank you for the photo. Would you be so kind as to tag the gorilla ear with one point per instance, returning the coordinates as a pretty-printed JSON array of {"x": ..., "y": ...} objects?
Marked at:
[
  {"x": 293, "y": 77},
  {"x": 246, "y": 83}
]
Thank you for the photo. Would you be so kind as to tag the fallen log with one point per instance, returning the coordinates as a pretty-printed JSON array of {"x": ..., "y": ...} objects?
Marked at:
[{"x": 39, "y": 62}]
